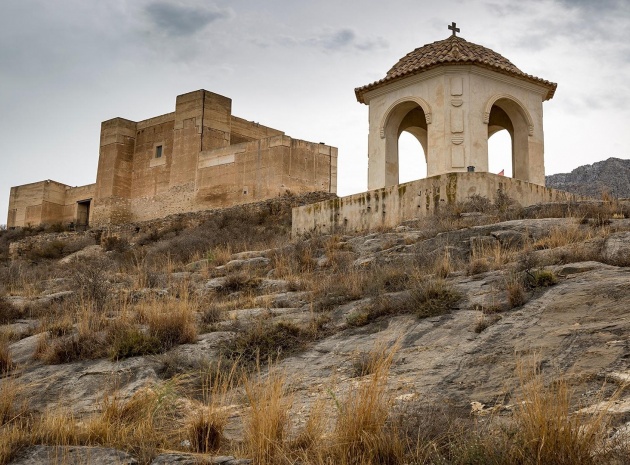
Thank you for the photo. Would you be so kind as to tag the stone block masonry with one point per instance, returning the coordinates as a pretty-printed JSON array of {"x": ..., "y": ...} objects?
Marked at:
[{"x": 196, "y": 158}]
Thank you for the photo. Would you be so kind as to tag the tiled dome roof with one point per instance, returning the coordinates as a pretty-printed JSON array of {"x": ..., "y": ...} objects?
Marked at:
[{"x": 452, "y": 51}]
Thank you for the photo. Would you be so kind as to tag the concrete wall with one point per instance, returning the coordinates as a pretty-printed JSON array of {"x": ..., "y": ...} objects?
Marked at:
[{"x": 390, "y": 206}]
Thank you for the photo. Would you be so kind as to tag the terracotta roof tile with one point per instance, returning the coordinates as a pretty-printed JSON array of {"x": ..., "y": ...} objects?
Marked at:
[{"x": 452, "y": 51}]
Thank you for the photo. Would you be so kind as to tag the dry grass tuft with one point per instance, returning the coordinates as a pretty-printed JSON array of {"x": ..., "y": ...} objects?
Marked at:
[
  {"x": 547, "y": 432},
  {"x": 516, "y": 291},
  {"x": 361, "y": 433},
  {"x": 267, "y": 422},
  {"x": 205, "y": 430}
]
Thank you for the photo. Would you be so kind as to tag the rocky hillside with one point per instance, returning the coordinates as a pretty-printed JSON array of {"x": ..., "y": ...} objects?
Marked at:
[
  {"x": 610, "y": 177},
  {"x": 484, "y": 335}
]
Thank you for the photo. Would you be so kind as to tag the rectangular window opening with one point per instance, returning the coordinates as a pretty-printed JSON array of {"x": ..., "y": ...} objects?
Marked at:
[{"x": 158, "y": 151}]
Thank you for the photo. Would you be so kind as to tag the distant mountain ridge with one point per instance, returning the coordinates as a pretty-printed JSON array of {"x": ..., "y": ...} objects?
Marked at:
[{"x": 612, "y": 176}]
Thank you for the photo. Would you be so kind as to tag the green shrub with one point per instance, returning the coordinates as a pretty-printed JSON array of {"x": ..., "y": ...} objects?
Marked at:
[
  {"x": 541, "y": 278},
  {"x": 433, "y": 298},
  {"x": 263, "y": 340},
  {"x": 132, "y": 342}
]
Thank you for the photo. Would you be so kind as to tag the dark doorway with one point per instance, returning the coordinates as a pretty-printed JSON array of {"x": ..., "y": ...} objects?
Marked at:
[{"x": 83, "y": 213}]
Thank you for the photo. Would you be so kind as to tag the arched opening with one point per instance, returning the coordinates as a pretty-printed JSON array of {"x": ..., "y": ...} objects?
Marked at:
[
  {"x": 500, "y": 153},
  {"x": 411, "y": 158},
  {"x": 508, "y": 139},
  {"x": 406, "y": 119}
]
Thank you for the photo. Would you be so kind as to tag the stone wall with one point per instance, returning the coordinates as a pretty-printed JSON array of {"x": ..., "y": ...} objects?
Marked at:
[
  {"x": 390, "y": 206},
  {"x": 45, "y": 202},
  {"x": 196, "y": 158}
]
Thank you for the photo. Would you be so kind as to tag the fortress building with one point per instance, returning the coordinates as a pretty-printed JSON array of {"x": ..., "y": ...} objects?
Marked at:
[{"x": 199, "y": 157}]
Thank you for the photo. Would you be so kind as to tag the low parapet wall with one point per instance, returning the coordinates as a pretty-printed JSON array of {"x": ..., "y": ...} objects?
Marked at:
[{"x": 391, "y": 206}]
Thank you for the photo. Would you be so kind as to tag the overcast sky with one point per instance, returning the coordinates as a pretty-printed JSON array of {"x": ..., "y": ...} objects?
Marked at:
[{"x": 67, "y": 65}]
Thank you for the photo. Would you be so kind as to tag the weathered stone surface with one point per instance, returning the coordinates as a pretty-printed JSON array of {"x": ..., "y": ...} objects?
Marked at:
[
  {"x": 91, "y": 251},
  {"x": 197, "y": 459},
  {"x": 251, "y": 254},
  {"x": 73, "y": 455},
  {"x": 617, "y": 248},
  {"x": 275, "y": 285},
  {"x": 290, "y": 299},
  {"x": 81, "y": 386},
  {"x": 42, "y": 301},
  {"x": 510, "y": 238},
  {"x": 244, "y": 263}
]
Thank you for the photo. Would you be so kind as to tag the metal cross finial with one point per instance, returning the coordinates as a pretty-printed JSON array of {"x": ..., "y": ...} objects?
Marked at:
[{"x": 453, "y": 27}]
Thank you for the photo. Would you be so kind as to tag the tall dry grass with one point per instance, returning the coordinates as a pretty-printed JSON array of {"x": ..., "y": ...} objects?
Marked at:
[
  {"x": 548, "y": 430},
  {"x": 361, "y": 432},
  {"x": 205, "y": 428},
  {"x": 267, "y": 422}
]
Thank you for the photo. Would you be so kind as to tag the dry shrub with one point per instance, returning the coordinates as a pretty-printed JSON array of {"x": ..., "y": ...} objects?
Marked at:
[
  {"x": 478, "y": 266},
  {"x": 338, "y": 289},
  {"x": 561, "y": 236},
  {"x": 49, "y": 250},
  {"x": 485, "y": 321},
  {"x": 239, "y": 282},
  {"x": 429, "y": 298},
  {"x": 361, "y": 433},
  {"x": 90, "y": 281},
  {"x": 205, "y": 430},
  {"x": 171, "y": 320},
  {"x": 267, "y": 422},
  {"x": 541, "y": 278},
  {"x": 434, "y": 297},
  {"x": 78, "y": 333},
  {"x": 263, "y": 339},
  {"x": 115, "y": 243},
  {"x": 547, "y": 431},
  {"x": 6, "y": 362},
  {"x": 516, "y": 291},
  {"x": 126, "y": 340},
  {"x": 8, "y": 312}
]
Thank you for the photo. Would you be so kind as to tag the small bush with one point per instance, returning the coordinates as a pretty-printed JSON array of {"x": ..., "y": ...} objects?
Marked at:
[
  {"x": 541, "y": 278},
  {"x": 239, "y": 282},
  {"x": 433, "y": 298},
  {"x": 129, "y": 341},
  {"x": 267, "y": 422},
  {"x": 49, "y": 251},
  {"x": 263, "y": 340},
  {"x": 477, "y": 203},
  {"x": 90, "y": 280},
  {"x": 8, "y": 312},
  {"x": 6, "y": 363},
  {"x": 382, "y": 306},
  {"x": 172, "y": 329},
  {"x": 205, "y": 432},
  {"x": 67, "y": 349},
  {"x": 478, "y": 266},
  {"x": 115, "y": 243},
  {"x": 516, "y": 292},
  {"x": 485, "y": 321}
]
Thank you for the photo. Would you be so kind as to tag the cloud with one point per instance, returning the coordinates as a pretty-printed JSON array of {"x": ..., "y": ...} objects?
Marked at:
[
  {"x": 331, "y": 41},
  {"x": 181, "y": 20}
]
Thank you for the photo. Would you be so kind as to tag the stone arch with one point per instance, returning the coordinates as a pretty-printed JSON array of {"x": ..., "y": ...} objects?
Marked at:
[
  {"x": 521, "y": 108},
  {"x": 417, "y": 100},
  {"x": 503, "y": 111},
  {"x": 412, "y": 115}
]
